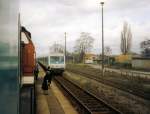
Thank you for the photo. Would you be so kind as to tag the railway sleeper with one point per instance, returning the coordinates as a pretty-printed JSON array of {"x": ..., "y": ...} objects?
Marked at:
[
  {"x": 95, "y": 106},
  {"x": 99, "y": 109},
  {"x": 90, "y": 108},
  {"x": 103, "y": 112}
]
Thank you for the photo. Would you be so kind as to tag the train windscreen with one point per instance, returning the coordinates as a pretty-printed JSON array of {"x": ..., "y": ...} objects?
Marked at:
[{"x": 57, "y": 60}]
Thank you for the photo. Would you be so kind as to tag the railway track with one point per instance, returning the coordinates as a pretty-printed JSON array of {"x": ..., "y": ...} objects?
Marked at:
[
  {"x": 89, "y": 103},
  {"x": 132, "y": 89},
  {"x": 85, "y": 102},
  {"x": 43, "y": 67}
]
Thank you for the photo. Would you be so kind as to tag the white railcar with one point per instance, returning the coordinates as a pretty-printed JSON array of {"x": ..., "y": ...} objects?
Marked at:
[{"x": 55, "y": 61}]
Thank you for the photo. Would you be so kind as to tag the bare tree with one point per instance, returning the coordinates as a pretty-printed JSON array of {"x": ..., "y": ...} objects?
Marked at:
[
  {"x": 84, "y": 44},
  {"x": 126, "y": 39},
  {"x": 57, "y": 48}
]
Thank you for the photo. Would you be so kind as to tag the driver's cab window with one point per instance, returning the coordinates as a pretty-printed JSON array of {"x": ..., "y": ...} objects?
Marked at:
[{"x": 24, "y": 38}]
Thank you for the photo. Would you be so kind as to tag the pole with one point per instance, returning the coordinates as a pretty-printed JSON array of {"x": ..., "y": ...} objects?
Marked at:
[
  {"x": 65, "y": 44},
  {"x": 102, "y": 4}
]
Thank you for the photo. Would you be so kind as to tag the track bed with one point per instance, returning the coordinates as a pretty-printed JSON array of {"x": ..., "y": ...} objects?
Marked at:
[{"x": 91, "y": 104}]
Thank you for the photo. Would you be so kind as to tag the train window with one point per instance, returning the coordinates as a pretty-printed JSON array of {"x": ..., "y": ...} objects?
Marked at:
[
  {"x": 57, "y": 59},
  {"x": 24, "y": 38}
]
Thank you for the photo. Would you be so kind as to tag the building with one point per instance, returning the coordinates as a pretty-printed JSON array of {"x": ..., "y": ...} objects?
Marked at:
[
  {"x": 90, "y": 58},
  {"x": 141, "y": 63},
  {"x": 145, "y": 46},
  {"x": 123, "y": 59}
]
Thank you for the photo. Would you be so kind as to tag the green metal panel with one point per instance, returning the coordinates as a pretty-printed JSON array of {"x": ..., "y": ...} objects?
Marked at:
[{"x": 9, "y": 86}]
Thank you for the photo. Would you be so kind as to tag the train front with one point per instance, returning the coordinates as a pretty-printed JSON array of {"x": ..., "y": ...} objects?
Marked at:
[{"x": 57, "y": 63}]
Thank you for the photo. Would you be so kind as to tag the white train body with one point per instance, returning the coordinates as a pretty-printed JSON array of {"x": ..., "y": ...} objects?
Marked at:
[{"x": 55, "y": 61}]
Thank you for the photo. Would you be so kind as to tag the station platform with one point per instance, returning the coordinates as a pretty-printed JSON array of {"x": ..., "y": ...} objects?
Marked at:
[{"x": 53, "y": 103}]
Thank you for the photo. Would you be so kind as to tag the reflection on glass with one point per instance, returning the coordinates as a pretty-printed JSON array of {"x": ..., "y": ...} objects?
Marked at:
[
  {"x": 9, "y": 87},
  {"x": 24, "y": 39},
  {"x": 56, "y": 59}
]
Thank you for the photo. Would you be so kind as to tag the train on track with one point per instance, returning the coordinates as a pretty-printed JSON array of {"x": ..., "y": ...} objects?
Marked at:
[{"x": 56, "y": 62}]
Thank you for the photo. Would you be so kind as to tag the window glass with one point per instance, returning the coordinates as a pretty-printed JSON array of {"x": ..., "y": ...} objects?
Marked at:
[
  {"x": 56, "y": 60},
  {"x": 9, "y": 58},
  {"x": 24, "y": 38}
]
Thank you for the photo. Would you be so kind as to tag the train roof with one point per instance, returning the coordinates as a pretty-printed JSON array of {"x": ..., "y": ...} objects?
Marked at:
[
  {"x": 51, "y": 54},
  {"x": 56, "y": 54}
]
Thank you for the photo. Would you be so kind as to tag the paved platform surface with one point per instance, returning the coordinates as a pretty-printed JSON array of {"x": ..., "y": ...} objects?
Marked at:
[
  {"x": 53, "y": 103},
  {"x": 41, "y": 101},
  {"x": 63, "y": 100},
  {"x": 47, "y": 104}
]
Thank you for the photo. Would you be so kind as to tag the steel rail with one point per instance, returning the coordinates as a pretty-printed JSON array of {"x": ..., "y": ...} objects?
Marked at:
[
  {"x": 134, "y": 91},
  {"x": 92, "y": 104}
]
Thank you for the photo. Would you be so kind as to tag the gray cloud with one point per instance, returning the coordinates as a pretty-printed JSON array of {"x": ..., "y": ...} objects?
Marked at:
[{"x": 49, "y": 19}]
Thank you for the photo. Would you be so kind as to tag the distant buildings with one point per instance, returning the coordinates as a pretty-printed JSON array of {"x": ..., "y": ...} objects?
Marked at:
[
  {"x": 56, "y": 48},
  {"x": 145, "y": 46},
  {"x": 141, "y": 63},
  {"x": 133, "y": 60},
  {"x": 123, "y": 58},
  {"x": 90, "y": 58}
]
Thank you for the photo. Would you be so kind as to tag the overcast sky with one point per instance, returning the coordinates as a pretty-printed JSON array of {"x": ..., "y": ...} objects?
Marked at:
[{"x": 49, "y": 19}]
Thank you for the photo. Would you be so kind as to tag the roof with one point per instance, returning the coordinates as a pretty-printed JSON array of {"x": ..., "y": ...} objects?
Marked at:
[{"x": 141, "y": 58}]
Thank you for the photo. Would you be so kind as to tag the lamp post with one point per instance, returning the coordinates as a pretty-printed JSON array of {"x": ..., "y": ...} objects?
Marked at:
[
  {"x": 65, "y": 44},
  {"x": 102, "y": 4}
]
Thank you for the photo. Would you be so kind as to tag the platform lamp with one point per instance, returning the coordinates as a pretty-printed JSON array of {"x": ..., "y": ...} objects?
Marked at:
[{"x": 102, "y": 5}]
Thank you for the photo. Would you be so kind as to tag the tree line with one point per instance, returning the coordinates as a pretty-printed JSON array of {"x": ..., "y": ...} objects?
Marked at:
[{"x": 84, "y": 44}]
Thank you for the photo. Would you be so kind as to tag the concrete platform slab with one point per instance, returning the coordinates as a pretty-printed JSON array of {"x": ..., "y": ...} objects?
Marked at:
[
  {"x": 47, "y": 104},
  {"x": 41, "y": 101},
  {"x": 65, "y": 103},
  {"x": 53, "y": 103}
]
